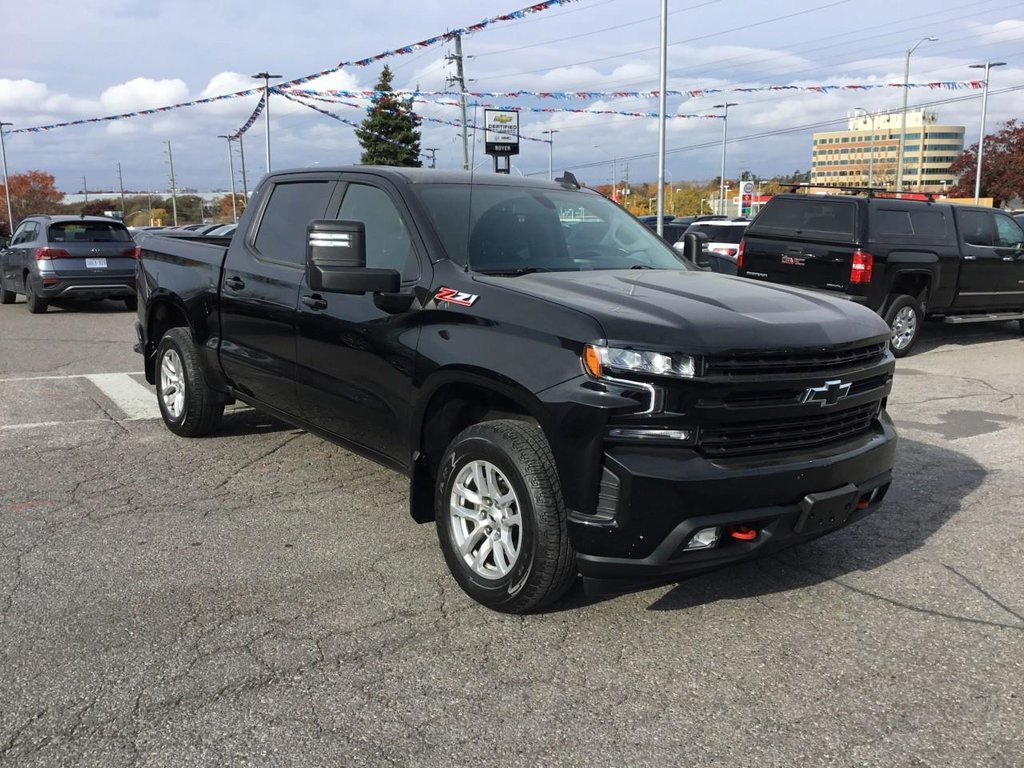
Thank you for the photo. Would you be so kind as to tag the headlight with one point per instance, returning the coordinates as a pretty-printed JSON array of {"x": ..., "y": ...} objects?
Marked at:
[{"x": 602, "y": 360}]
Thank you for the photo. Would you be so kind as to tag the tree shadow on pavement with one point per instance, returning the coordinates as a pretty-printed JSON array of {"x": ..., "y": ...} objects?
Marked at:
[{"x": 929, "y": 485}]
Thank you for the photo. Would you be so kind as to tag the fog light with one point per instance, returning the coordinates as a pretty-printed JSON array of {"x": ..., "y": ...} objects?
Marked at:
[
  {"x": 673, "y": 435},
  {"x": 705, "y": 538}
]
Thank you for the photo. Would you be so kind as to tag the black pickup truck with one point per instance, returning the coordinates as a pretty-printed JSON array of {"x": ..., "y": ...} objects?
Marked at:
[
  {"x": 565, "y": 393},
  {"x": 905, "y": 259}
]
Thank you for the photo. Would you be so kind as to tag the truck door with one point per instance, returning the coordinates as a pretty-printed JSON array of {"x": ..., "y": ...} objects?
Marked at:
[
  {"x": 355, "y": 352},
  {"x": 991, "y": 266},
  {"x": 260, "y": 288}
]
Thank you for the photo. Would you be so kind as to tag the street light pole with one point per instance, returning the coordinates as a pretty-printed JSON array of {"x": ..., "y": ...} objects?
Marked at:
[
  {"x": 725, "y": 131},
  {"x": 551, "y": 151},
  {"x": 903, "y": 117},
  {"x": 7, "y": 183},
  {"x": 120, "y": 183},
  {"x": 231, "y": 167},
  {"x": 871, "y": 146},
  {"x": 266, "y": 77},
  {"x": 987, "y": 66}
]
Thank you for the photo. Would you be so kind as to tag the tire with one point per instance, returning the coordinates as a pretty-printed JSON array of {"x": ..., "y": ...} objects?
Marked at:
[
  {"x": 131, "y": 303},
  {"x": 904, "y": 318},
  {"x": 36, "y": 305},
  {"x": 535, "y": 563},
  {"x": 189, "y": 406},
  {"x": 6, "y": 297}
]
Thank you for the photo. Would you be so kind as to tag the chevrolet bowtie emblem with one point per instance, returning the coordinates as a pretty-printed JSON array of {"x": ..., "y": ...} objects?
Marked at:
[{"x": 830, "y": 393}]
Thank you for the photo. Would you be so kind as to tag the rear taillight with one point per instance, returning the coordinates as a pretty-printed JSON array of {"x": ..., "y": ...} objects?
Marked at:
[
  {"x": 739, "y": 253},
  {"x": 860, "y": 267},
  {"x": 132, "y": 253},
  {"x": 51, "y": 253}
]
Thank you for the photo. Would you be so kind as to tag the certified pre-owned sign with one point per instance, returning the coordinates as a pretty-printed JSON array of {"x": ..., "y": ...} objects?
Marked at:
[{"x": 501, "y": 132}]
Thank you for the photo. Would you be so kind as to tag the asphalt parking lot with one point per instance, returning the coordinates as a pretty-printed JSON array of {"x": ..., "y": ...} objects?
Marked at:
[{"x": 261, "y": 597}]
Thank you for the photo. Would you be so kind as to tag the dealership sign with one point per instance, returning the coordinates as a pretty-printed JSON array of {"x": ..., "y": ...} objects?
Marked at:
[{"x": 501, "y": 132}]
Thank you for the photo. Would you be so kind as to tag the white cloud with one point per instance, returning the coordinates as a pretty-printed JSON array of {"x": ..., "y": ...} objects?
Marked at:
[{"x": 1005, "y": 31}]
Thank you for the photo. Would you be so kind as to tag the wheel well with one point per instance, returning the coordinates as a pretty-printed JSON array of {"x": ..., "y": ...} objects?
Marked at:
[
  {"x": 450, "y": 410},
  {"x": 162, "y": 318},
  {"x": 915, "y": 284}
]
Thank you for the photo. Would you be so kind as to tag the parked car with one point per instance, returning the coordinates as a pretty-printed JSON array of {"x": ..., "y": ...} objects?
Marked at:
[
  {"x": 222, "y": 230},
  {"x": 724, "y": 237},
  {"x": 908, "y": 260},
  {"x": 68, "y": 257},
  {"x": 671, "y": 231}
]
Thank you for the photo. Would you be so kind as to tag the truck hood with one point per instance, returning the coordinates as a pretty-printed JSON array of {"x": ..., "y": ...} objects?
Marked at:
[{"x": 701, "y": 312}]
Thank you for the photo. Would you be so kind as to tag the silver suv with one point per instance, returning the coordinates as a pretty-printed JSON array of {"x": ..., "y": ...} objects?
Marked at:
[{"x": 68, "y": 257}]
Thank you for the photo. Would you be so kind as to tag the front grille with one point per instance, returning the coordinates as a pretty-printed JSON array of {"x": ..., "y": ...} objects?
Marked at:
[
  {"x": 749, "y": 438},
  {"x": 818, "y": 361}
]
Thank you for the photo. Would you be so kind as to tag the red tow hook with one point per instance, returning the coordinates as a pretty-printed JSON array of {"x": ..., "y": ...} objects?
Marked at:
[
  {"x": 742, "y": 532},
  {"x": 863, "y": 504}
]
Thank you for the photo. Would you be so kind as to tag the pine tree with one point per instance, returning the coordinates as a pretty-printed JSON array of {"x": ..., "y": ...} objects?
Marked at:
[{"x": 389, "y": 135}]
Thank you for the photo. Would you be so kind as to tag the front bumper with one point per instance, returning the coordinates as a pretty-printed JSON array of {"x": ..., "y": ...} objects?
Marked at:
[{"x": 664, "y": 497}]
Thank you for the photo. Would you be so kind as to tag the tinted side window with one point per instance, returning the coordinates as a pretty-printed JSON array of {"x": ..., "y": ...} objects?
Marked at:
[
  {"x": 922, "y": 224},
  {"x": 292, "y": 205},
  {"x": 20, "y": 232},
  {"x": 388, "y": 245},
  {"x": 1008, "y": 233},
  {"x": 976, "y": 227}
]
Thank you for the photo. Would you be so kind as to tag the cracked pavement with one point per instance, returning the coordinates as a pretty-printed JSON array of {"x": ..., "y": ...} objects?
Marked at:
[{"x": 261, "y": 597}]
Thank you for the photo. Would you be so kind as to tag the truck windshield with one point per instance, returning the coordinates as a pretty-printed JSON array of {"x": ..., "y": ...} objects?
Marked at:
[{"x": 514, "y": 230}]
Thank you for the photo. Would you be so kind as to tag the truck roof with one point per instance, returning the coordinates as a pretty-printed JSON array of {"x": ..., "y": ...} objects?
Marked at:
[{"x": 430, "y": 175}]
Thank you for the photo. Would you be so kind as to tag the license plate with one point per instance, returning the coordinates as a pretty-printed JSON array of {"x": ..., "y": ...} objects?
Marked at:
[
  {"x": 830, "y": 509},
  {"x": 96, "y": 263}
]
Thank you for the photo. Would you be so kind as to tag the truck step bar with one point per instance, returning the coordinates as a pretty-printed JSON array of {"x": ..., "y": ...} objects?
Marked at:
[{"x": 992, "y": 317}]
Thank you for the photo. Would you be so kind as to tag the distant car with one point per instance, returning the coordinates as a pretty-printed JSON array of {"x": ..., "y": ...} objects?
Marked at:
[
  {"x": 724, "y": 237},
  {"x": 68, "y": 257},
  {"x": 671, "y": 231},
  {"x": 223, "y": 230}
]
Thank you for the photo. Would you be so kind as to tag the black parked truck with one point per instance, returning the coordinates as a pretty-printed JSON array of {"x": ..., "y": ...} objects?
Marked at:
[
  {"x": 565, "y": 393},
  {"x": 905, "y": 259}
]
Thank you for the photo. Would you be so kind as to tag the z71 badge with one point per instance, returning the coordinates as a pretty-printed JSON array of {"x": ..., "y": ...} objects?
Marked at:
[{"x": 456, "y": 297}]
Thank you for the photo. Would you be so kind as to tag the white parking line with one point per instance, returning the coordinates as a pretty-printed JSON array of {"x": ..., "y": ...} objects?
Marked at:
[
  {"x": 137, "y": 402},
  {"x": 65, "y": 376},
  {"x": 40, "y": 424}
]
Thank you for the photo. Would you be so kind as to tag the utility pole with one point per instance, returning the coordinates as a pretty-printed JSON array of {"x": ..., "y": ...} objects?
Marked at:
[
  {"x": 460, "y": 80},
  {"x": 85, "y": 188},
  {"x": 231, "y": 167},
  {"x": 120, "y": 183},
  {"x": 7, "y": 184},
  {"x": 174, "y": 192},
  {"x": 245, "y": 184},
  {"x": 433, "y": 154}
]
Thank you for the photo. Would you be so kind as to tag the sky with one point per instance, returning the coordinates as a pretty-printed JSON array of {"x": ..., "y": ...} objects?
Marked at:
[{"x": 94, "y": 58}]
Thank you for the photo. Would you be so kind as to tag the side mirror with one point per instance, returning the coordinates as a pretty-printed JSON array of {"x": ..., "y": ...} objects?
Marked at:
[
  {"x": 336, "y": 260},
  {"x": 695, "y": 248}
]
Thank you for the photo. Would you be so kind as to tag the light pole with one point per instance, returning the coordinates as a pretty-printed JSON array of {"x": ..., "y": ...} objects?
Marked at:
[
  {"x": 725, "y": 131},
  {"x": 871, "y": 147},
  {"x": 231, "y": 167},
  {"x": 266, "y": 76},
  {"x": 903, "y": 117},
  {"x": 551, "y": 150},
  {"x": 984, "y": 106},
  {"x": 7, "y": 184}
]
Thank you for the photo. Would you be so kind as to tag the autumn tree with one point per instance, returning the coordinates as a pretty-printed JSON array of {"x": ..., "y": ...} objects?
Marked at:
[
  {"x": 389, "y": 135},
  {"x": 223, "y": 206},
  {"x": 31, "y": 192},
  {"x": 1002, "y": 166}
]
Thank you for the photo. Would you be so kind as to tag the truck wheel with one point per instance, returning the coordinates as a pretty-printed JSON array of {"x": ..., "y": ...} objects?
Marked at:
[
  {"x": 6, "y": 297},
  {"x": 189, "y": 406},
  {"x": 500, "y": 517},
  {"x": 36, "y": 305},
  {"x": 904, "y": 318}
]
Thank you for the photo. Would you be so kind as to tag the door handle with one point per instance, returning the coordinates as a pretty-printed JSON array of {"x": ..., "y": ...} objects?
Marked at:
[
  {"x": 234, "y": 283},
  {"x": 314, "y": 302}
]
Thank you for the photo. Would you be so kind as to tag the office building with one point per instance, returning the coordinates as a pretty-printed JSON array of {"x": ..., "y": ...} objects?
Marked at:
[{"x": 866, "y": 153}]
